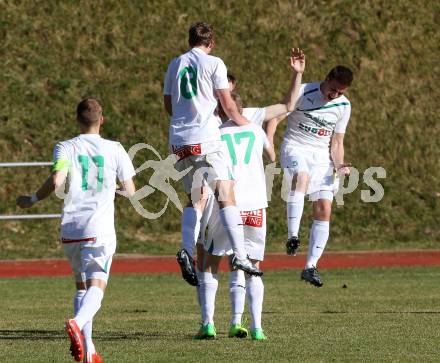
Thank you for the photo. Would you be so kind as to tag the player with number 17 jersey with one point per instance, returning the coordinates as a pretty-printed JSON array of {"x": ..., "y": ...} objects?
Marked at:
[{"x": 245, "y": 147}]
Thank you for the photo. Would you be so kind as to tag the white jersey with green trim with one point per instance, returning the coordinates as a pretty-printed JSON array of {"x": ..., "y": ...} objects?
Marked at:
[
  {"x": 314, "y": 120},
  {"x": 93, "y": 164},
  {"x": 245, "y": 145},
  {"x": 191, "y": 81}
]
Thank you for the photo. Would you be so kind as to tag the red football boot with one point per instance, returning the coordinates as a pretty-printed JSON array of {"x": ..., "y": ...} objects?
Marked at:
[
  {"x": 76, "y": 339},
  {"x": 93, "y": 358}
]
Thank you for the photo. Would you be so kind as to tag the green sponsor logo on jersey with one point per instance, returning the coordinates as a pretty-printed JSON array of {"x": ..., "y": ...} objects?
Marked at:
[{"x": 320, "y": 121}]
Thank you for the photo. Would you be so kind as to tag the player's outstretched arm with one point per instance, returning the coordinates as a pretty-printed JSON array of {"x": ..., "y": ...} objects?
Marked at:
[
  {"x": 53, "y": 182},
  {"x": 337, "y": 154},
  {"x": 230, "y": 108},
  {"x": 297, "y": 64},
  {"x": 269, "y": 152},
  {"x": 271, "y": 128}
]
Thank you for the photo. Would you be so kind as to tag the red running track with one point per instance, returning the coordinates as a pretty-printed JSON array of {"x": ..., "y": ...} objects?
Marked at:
[{"x": 167, "y": 264}]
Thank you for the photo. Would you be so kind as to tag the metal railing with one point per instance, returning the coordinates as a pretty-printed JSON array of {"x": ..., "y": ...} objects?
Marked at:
[{"x": 26, "y": 216}]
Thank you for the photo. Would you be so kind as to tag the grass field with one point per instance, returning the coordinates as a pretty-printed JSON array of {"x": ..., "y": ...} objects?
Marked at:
[
  {"x": 53, "y": 53},
  {"x": 384, "y": 315}
]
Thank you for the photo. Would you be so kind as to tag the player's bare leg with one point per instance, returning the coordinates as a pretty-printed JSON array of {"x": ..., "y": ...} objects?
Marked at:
[
  {"x": 319, "y": 234},
  {"x": 231, "y": 220},
  {"x": 295, "y": 207}
]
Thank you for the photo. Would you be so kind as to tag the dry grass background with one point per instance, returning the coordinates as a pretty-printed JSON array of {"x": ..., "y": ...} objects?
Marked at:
[{"x": 54, "y": 53}]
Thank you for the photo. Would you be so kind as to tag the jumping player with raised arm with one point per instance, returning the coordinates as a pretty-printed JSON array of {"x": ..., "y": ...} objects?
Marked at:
[
  {"x": 312, "y": 150},
  {"x": 193, "y": 83},
  {"x": 91, "y": 164},
  {"x": 246, "y": 145}
]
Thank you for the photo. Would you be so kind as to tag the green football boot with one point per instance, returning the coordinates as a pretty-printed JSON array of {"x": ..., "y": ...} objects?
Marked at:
[
  {"x": 238, "y": 331},
  {"x": 206, "y": 332},
  {"x": 258, "y": 334}
]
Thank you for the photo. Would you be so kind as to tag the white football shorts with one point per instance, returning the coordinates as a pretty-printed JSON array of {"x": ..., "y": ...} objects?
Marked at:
[
  {"x": 89, "y": 260},
  {"x": 254, "y": 226},
  {"x": 324, "y": 182},
  {"x": 205, "y": 169}
]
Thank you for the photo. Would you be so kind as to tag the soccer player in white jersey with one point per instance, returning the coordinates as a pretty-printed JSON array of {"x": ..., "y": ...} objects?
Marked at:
[
  {"x": 312, "y": 151},
  {"x": 245, "y": 144},
  {"x": 91, "y": 164},
  {"x": 193, "y": 83}
]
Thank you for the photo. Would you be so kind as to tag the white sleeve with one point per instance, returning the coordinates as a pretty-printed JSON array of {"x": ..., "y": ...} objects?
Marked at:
[
  {"x": 341, "y": 124},
  {"x": 60, "y": 158},
  {"x": 59, "y": 152},
  {"x": 255, "y": 115},
  {"x": 220, "y": 75},
  {"x": 125, "y": 166},
  {"x": 301, "y": 94},
  {"x": 167, "y": 86}
]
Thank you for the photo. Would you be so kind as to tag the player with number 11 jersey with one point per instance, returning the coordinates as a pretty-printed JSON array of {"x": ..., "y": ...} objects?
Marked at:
[{"x": 91, "y": 165}]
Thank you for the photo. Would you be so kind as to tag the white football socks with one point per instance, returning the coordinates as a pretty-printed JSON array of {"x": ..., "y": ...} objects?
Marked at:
[
  {"x": 208, "y": 288},
  {"x": 90, "y": 304},
  {"x": 255, "y": 293},
  {"x": 237, "y": 290},
  {"x": 87, "y": 332},
  {"x": 190, "y": 228},
  {"x": 231, "y": 220},
  {"x": 295, "y": 207},
  {"x": 87, "y": 329},
  {"x": 199, "y": 277},
  {"x": 318, "y": 239},
  {"x": 77, "y": 300}
]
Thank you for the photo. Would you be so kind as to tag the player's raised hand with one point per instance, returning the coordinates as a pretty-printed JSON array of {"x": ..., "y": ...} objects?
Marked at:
[
  {"x": 297, "y": 60},
  {"x": 24, "y": 201}
]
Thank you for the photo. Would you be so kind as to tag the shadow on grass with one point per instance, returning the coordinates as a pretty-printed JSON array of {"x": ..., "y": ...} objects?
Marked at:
[
  {"x": 33, "y": 334},
  {"x": 380, "y": 312}
]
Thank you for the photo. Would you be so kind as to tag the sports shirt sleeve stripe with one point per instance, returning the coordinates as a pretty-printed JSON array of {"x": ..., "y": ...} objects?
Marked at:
[{"x": 341, "y": 124}]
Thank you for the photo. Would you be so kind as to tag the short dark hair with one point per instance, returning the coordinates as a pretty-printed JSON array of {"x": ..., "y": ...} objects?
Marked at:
[
  {"x": 200, "y": 34},
  {"x": 89, "y": 111},
  {"x": 341, "y": 74},
  {"x": 232, "y": 79}
]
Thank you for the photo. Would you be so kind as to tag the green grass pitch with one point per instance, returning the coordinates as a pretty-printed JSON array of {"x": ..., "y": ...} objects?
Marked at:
[{"x": 384, "y": 315}]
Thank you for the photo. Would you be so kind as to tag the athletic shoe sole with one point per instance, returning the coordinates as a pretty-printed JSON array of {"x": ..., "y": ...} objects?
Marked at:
[
  {"x": 187, "y": 267},
  {"x": 251, "y": 270},
  {"x": 77, "y": 347},
  {"x": 305, "y": 276},
  {"x": 292, "y": 246}
]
